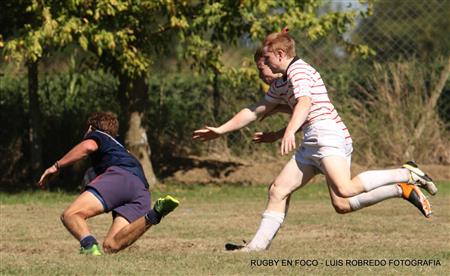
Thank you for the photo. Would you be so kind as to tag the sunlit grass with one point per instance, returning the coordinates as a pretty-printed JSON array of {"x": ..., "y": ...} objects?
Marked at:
[{"x": 191, "y": 240}]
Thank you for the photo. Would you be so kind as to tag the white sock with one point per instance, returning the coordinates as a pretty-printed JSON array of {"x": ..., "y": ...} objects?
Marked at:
[
  {"x": 270, "y": 223},
  {"x": 374, "y": 179},
  {"x": 372, "y": 197}
]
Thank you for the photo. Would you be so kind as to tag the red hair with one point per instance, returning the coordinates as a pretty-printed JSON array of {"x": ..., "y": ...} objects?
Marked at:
[{"x": 281, "y": 41}]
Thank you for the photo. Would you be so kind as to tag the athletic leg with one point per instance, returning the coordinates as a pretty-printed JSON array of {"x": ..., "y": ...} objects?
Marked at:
[
  {"x": 74, "y": 217},
  {"x": 123, "y": 234},
  {"x": 337, "y": 170},
  {"x": 292, "y": 177},
  {"x": 345, "y": 205},
  {"x": 409, "y": 192}
]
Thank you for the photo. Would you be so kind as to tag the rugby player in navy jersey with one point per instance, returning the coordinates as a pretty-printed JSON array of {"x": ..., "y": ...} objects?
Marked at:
[{"x": 120, "y": 187}]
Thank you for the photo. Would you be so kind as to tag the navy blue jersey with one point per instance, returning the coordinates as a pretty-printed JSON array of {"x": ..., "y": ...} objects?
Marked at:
[{"x": 111, "y": 153}]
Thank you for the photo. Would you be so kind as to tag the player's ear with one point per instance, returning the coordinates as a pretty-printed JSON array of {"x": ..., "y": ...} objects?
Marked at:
[{"x": 280, "y": 54}]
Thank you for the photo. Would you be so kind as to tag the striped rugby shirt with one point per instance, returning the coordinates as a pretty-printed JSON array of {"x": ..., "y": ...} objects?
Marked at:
[{"x": 303, "y": 80}]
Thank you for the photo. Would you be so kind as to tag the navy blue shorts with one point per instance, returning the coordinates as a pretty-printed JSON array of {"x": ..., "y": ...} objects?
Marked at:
[{"x": 123, "y": 193}]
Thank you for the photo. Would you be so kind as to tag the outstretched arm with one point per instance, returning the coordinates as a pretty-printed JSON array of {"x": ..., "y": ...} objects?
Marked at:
[
  {"x": 240, "y": 120},
  {"x": 301, "y": 111},
  {"x": 78, "y": 152}
]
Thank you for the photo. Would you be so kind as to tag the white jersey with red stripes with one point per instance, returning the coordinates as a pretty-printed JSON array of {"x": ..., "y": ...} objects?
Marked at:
[{"x": 303, "y": 80}]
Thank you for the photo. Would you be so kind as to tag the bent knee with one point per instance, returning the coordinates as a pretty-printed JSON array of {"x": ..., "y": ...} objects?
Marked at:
[
  {"x": 341, "y": 210},
  {"x": 69, "y": 215},
  {"x": 110, "y": 246},
  {"x": 342, "y": 207},
  {"x": 66, "y": 215}
]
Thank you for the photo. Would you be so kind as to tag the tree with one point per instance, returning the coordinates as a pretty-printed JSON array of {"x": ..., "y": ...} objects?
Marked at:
[
  {"x": 27, "y": 26},
  {"x": 211, "y": 26},
  {"x": 127, "y": 36}
]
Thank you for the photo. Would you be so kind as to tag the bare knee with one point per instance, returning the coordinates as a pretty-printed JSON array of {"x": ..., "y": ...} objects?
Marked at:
[
  {"x": 341, "y": 210},
  {"x": 341, "y": 206},
  {"x": 66, "y": 216},
  {"x": 111, "y": 246},
  {"x": 276, "y": 192}
]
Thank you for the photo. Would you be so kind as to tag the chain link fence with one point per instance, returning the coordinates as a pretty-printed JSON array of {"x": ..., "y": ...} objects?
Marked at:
[{"x": 392, "y": 30}]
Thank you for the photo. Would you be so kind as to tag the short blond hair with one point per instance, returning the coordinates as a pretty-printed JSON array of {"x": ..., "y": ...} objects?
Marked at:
[{"x": 281, "y": 41}]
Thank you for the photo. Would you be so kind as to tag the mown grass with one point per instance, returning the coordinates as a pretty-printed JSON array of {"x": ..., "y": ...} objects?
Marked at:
[{"x": 190, "y": 241}]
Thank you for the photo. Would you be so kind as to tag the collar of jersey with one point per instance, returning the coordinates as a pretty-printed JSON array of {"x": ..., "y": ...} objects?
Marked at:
[
  {"x": 285, "y": 73},
  {"x": 117, "y": 142}
]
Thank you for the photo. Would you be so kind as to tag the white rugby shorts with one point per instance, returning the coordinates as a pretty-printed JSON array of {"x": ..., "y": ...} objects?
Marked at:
[{"x": 321, "y": 139}]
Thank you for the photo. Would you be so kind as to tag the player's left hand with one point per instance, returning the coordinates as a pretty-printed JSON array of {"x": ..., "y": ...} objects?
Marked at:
[
  {"x": 207, "y": 133},
  {"x": 287, "y": 143},
  {"x": 265, "y": 137},
  {"x": 46, "y": 176}
]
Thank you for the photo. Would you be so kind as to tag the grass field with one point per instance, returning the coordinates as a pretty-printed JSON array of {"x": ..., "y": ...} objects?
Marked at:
[{"x": 191, "y": 240}]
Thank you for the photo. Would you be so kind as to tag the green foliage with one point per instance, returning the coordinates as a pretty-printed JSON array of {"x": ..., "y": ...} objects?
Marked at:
[
  {"x": 13, "y": 128},
  {"x": 182, "y": 102},
  {"x": 225, "y": 22},
  {"x": 89, "y": 24},
  {"x": 66, "y": 101},
  {"x": 179, "y": 103},
  {"x": 130, "y": 32},
  {"x": 141, "y": 37}
]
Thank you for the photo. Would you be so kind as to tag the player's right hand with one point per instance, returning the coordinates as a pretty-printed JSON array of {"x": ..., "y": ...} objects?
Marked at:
[
  {"x": 287, "y": 143},
  {"x": 46, "y": 175},
  {"x": 205, "y": 134}
]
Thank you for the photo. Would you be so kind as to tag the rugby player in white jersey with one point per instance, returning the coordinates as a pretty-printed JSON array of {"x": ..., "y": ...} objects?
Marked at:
[{"x": 325, "y": 148}]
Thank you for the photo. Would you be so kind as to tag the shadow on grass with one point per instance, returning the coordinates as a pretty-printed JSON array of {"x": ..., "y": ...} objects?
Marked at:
[{"x": 214, "y": 167}]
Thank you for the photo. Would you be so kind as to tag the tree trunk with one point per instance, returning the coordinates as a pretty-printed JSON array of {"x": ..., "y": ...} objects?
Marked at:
[
  {"x": 218, "y": 147},
  {"x": 216, "y": 97},
  {"x": 137, "y": 143},
  {"x": 133, "y": 97},
  {"x": 34, "y": 130}
]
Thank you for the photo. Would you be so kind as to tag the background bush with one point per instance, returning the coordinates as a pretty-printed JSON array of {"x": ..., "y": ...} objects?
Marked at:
[{"x": 381, "y": 105}]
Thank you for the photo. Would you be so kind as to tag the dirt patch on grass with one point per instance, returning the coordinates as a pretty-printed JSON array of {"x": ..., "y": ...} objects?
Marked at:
[
  {"x": 231, "y": 171},
  {"x": 194, "y": 170}
]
